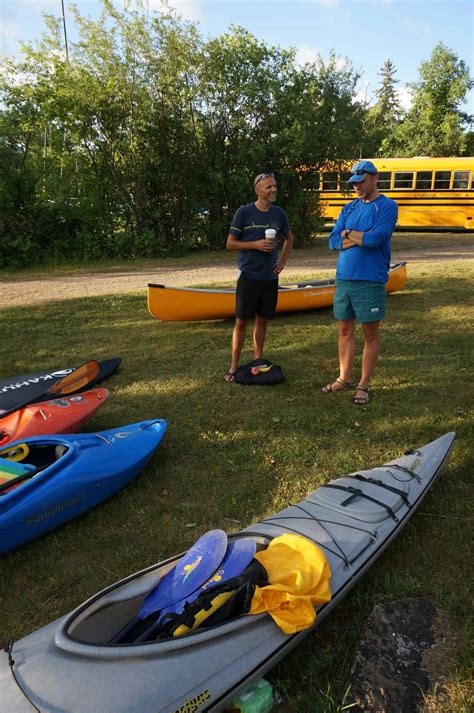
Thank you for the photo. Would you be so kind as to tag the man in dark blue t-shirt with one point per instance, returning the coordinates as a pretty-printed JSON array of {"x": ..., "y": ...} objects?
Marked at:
[{"x": 259, "y": 264}]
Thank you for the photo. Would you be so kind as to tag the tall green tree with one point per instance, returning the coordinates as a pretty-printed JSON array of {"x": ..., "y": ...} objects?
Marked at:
[
  {"x": 385, "y": 115},
  {"x": 33, "y": 177},
  {"x": 21, "y": 164},
  {"x": 388, "y": 103},
  {"x": 238, "y": 79},
  {"x": 435, "y": 124},
  {"x": 319, "y": 120}
]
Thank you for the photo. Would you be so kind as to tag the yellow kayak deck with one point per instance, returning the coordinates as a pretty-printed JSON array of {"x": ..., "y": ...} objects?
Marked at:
[{"x": 184, "y": 304}]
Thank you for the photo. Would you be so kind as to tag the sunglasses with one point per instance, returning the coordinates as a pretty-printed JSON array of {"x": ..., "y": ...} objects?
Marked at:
[{"x": 261, "y": 177}]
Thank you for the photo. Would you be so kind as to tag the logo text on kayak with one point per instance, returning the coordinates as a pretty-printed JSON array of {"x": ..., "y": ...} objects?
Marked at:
[
  {"x": 195, "y": 703},
  {"x": 52, "y": 511}
]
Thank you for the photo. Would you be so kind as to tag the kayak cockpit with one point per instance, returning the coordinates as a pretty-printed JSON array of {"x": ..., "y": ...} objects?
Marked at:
[
  {"x": 101, "y": 619},
  {"x": 22, "y": 462}
]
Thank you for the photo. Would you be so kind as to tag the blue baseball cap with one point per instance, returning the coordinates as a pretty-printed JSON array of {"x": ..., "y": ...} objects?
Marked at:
[{"x": 360, "y": 171}]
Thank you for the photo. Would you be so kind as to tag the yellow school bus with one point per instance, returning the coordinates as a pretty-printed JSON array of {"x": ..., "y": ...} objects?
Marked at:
[{"x": 430, "y": 192}]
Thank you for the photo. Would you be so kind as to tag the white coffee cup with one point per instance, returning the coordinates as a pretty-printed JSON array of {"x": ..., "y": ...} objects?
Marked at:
[{"x": 270, "y": 234}]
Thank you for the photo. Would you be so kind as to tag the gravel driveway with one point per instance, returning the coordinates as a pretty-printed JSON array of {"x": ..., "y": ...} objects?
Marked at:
[{"x": 17, "y": 293}]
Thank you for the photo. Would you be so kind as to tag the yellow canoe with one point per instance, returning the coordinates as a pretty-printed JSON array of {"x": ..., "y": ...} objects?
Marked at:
[{"x": 184, "y": 304}]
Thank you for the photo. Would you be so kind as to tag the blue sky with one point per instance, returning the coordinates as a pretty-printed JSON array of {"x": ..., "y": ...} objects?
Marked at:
[{"x": 367, "y": 32}]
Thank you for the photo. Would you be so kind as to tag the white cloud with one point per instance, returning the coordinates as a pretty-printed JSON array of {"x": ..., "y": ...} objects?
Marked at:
[
  {"x": 405, "y": 96},
  {"x": 309, "y": 54},
  {"x": 306, "y": 54},
  {"x": 16, "y": 79},
  {"x": 363, "y": 96},
  {"x": 340, "y": 63},
  {"x": 362, "y": 99},
  {"x": 188, "y": 9}
]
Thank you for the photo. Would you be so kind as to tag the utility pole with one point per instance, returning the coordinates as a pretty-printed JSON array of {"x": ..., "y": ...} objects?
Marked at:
[
  {"x": 67, "y": 60},
  {"x": 65, "y": 31}
]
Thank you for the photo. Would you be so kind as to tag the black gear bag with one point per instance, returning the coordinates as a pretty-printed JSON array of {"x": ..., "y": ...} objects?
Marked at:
[{"x": 259, "y": 372}]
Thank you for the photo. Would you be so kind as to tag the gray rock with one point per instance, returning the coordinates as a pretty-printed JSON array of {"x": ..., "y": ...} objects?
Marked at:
[{"x": 398, "y": 659}]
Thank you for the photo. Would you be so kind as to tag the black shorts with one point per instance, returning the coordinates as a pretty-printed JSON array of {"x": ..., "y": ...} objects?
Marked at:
[{"x": 255, "y": 297}]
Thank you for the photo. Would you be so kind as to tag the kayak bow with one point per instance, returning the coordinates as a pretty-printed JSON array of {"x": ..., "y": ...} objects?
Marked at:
[
  {"x": 71, "y": 474},
  {"x": 63, "y": 415}
]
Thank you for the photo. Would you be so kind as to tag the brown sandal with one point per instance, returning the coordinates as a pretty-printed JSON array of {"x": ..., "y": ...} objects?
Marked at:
[
  {"x": 345, "y": 386},
  {"x": 362, "y": 400}
]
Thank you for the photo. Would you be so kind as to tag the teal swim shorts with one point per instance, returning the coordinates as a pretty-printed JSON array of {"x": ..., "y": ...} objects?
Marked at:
[{"x": 360, "y": 299}]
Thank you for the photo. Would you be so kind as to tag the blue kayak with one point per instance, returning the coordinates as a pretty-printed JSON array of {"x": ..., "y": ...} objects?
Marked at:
[{"x": 48, "y": 480}]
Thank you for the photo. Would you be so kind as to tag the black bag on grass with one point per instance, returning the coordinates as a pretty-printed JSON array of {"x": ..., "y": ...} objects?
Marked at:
[{"x": 259, "y": 372}]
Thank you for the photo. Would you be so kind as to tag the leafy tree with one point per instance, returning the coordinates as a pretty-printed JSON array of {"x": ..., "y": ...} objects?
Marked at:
[
  {"x": 237, "y": 82},
  {"x": 434, "y": 124},
  {"x": 315, "y": 109},
  {"x": 468, "y": 144},
  {"x": 145, "y": 138},
  {"x": 384, "y": 116},
  {"x": 120, "y": 129},
  {"x": 28, "y": 159},
  {"x": 20, "y": 170}
]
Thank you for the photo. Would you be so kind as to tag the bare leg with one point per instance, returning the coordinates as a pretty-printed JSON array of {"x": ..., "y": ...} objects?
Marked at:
[
  {"x": 371, "y": 351},
  {"x": 346, "y": 351},
  {"x": 238, "y": 338},
  {"x": 259, "y": 334},
  {"x": 370, "y": 355},
  {"x": 346, "y": 348}
]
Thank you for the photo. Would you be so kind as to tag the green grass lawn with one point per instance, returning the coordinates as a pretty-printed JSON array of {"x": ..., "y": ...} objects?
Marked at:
[{"x": 233, "y": 455}]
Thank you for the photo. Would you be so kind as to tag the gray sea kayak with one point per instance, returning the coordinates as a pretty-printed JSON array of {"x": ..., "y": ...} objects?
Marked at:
[{"x": 70, "y": 666}]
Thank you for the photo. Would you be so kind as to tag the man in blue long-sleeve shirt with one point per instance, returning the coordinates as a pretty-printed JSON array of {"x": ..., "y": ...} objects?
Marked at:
[{"x": 362, "y": 235}]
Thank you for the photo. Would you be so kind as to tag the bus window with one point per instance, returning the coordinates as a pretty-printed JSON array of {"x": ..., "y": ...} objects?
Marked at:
[
  {"x": 329, "y": 181},
  {"x": 385, "y": 178},
  {"x": 423, "y": 180},
  {"x": 311, "y": 181},
  {"x": 403, "y": 180},
  {"x": 343, "y": 178},
  {"x": 461, "y": 180},
  {"x": 442, "y": 180}
]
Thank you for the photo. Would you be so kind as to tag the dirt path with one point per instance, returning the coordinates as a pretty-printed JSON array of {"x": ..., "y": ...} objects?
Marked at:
[{"x": 16, "y": 293}]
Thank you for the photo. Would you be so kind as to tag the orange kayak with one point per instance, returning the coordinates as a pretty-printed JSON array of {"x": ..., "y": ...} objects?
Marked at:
[
  {"x": 63, "y": 415},
  {"x": 183, "y": 304}
]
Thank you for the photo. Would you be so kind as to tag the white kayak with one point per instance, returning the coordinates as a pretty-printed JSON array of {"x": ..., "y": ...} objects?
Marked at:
[{"x": 73, "y": 665}]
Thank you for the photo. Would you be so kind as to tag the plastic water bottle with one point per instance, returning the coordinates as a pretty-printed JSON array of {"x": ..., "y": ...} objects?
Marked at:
[{"x": 256, "y": 699}]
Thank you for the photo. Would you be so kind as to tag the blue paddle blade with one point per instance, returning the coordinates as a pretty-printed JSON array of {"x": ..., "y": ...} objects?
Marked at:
[
  {"x": 188, "y": 574},
  {"x": 238, "y": 556}
]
